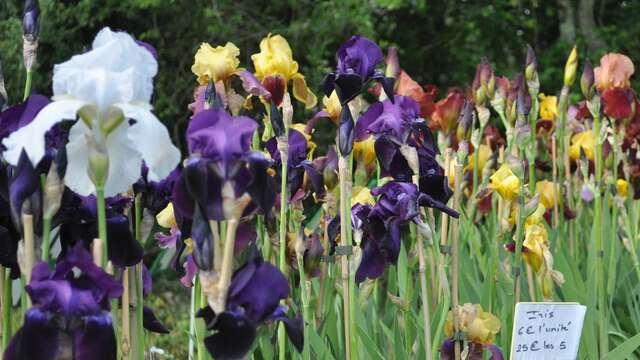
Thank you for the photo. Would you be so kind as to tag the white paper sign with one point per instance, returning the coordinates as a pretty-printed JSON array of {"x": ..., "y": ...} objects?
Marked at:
[{"x": 549, "y": 331}]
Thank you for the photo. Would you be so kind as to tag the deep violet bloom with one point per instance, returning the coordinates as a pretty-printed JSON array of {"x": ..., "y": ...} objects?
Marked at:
[
  {"x": 79, "y": 224},
  {"x": 70, "y": 313},
  {"x": 476, "y": 351},
  {"x": 298, "y": 164},
  {"x": 155, "y": 195},
  {"x": 397, "y": 124},
  {"x": 393, "y": 120},
  {"x": 378, "y": 228},
  {"x": 254, "y": 298},
  {"x": 222, "y": 168},
  {"x": 357, "y": 60}
]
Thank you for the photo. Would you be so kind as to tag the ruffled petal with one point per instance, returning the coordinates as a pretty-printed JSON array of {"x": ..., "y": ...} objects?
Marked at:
[
  {"x": 302, "y": 92},
  {"x": 152, "y": 140},
  {"x": 31, "y": 137}
]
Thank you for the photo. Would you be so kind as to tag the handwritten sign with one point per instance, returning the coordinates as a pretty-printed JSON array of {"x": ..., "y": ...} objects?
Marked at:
[{"x": 549, "y": 331}]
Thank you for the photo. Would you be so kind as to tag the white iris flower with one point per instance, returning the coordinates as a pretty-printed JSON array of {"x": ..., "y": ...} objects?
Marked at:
[{"x": 109, "y": 88}]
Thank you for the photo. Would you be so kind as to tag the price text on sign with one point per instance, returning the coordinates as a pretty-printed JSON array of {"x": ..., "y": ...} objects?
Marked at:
[{"x": 547, "y": 331}]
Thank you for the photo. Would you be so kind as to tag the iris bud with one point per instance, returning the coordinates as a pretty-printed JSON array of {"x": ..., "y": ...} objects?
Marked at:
[
  {"x": 531, "y": 64},
  {"x": 587, "y": 80},
  {"x": 30, "y": 20},
  {"x": 98, "y": 166},
  {"x": 571, "y": 67}
]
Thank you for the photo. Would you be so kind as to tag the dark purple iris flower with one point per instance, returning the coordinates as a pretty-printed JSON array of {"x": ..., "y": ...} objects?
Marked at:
[
  {"x": 70, "y": 314},
  {"x": 155, "y": 196},
  {"x": 254, "y": 298},
  {"x": 79, "y": 224},
  {"x": 357, "y": 60},
  {"x": 393, "y": 120},
  {"x": 476, "y": 351},
  {"x": 298, "y": 164},
  {"x": 9, "y": 236},
  {"x": 397, "y": 124},
  {"x": 379, "y": 227},
  {"x": 222, "y": 167}
]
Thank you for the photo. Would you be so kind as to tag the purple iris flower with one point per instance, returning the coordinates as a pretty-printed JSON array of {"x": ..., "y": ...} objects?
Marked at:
[
  {"x": 78, "y": 220},
  {"x": 155, "y": 196},
  {"x": 298, "y": 164},
  {"x": 476, "y": 351},
  {"x": 394, "y": 120},
  {"x": 398, "y": 123},
  {"x": 70, "y": 314},
  {"x": 9, "y": 237},
  {"x": 357, "y": 60},
  {"x": 254, "y": 298},
  {"x": 222, "y": 168},
  {"x": 379, "y": 227}
]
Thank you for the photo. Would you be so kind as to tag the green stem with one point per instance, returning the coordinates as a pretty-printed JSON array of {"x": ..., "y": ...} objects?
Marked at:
[
  {"x": 306, "y": 354},
  {"x": 6, "y": 309},
  {"x": 519, "y": 239},
  {"x": 102, "y": 226},
  {"x": 200, "y": 329},
  {"x": 560, "y": 144},
  {"x": 352, "y": 276},
  {"x": 27, "y": 85},
  {"x": 597, "y": 229},
  {"x": 345, "y": 220},
  {"x": 282, "y": 243}
]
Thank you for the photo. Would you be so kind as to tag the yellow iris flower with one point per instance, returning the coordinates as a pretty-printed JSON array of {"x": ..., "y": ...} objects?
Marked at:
[
  {"x": 215, "y": 63},
  {"x": 586, "y": 141},
  {"x": 505, "y": 182},
  {"x": 480, "y": 326},
  {"x": 548, "y": 193},
  {"x": 548, "y": 107},
  {"x": 276, "y": 59}
]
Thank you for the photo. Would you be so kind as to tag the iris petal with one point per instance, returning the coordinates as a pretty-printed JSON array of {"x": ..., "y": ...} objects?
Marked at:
[
  {"x": 152, "y": 140},
  {"x": 38, "y": 339},
  {"x": 94, "y": 338},
  {"x": 31, "y": 137},
  {"x": 233, "y": 338}
]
